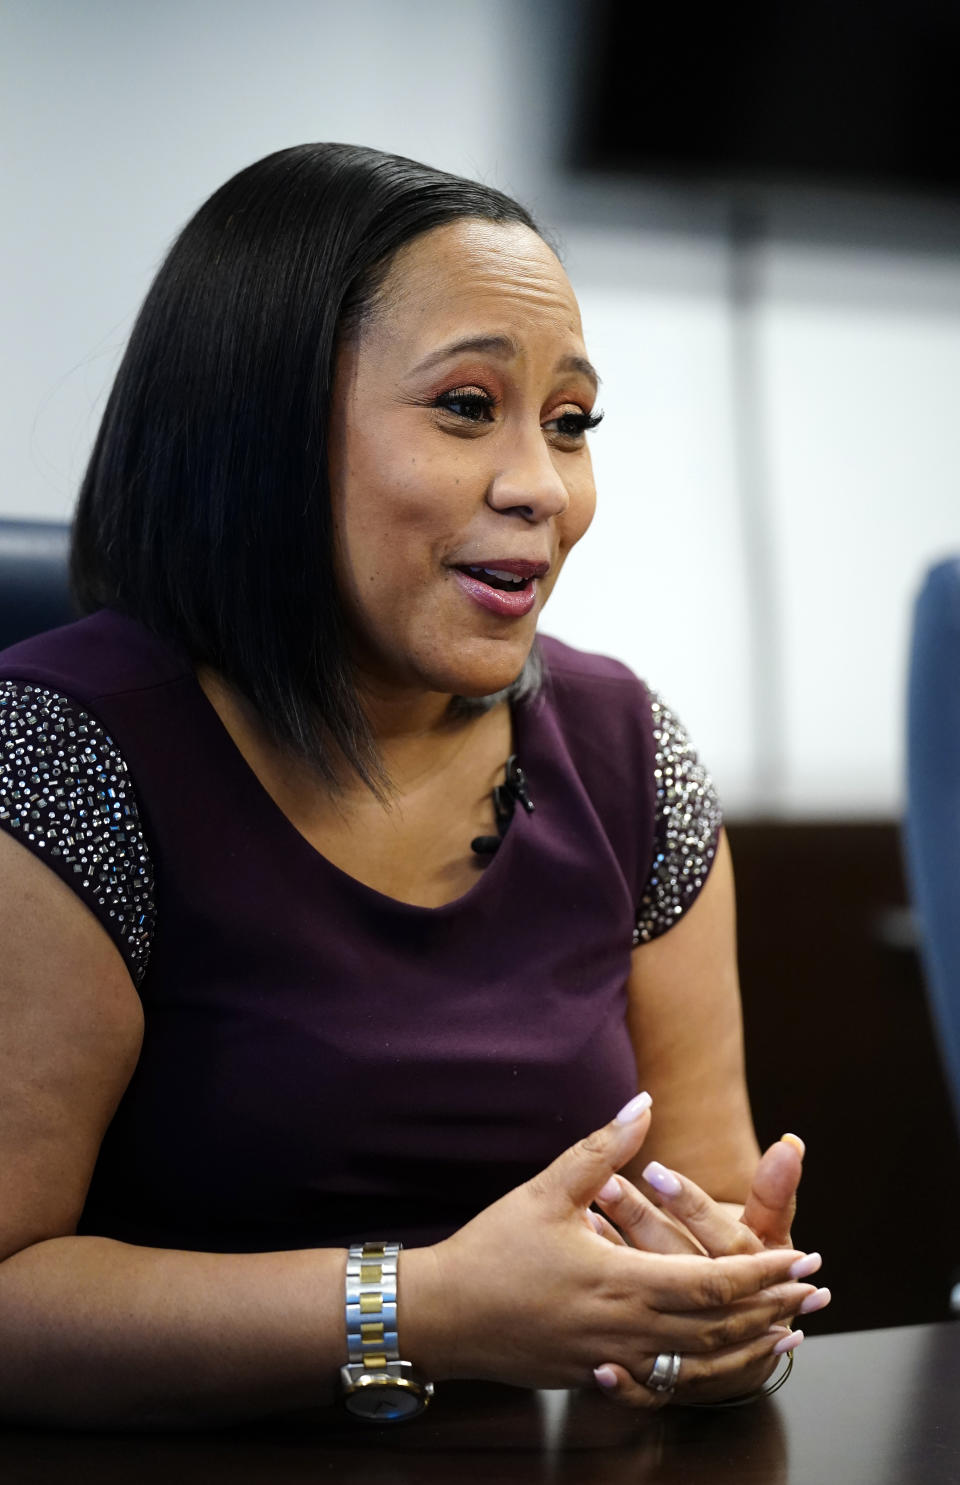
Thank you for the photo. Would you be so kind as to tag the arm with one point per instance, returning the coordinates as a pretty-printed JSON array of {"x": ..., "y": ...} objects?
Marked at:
[
  {"x": 97, "y": 1331},
  {"x": 685, "y": 1023}
]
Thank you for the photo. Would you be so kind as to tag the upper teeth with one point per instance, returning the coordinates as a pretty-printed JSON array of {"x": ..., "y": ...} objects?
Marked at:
[{"x": 505, "y": 577}]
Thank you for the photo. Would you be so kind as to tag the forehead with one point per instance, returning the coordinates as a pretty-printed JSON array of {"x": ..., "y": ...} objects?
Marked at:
[{"x": 486, "y": 277}]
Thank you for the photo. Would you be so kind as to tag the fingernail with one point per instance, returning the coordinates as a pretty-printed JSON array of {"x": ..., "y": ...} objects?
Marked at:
[
  {"x": 611, "y": 1191},
  {"x": 662, "y": 1180},
  {"x": 595, "y": 1222},
  {"x": 634, "y": 1109},
  {"x": 818, "y": 1300},
  {"x": 796, "y": 1142},
  {"x": 805, "y": 1266},
  {"x": 789, "y": 1343},
  {"x": 606, "y": 1377}
]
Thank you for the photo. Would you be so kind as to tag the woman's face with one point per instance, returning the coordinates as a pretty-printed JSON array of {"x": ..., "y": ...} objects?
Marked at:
[{"x": 460, "y": 476}]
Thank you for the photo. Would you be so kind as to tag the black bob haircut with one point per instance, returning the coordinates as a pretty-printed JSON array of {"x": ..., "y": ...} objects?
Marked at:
[{"x": 205, "y": 510}]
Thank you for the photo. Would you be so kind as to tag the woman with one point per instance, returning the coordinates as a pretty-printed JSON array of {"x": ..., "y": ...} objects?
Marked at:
[{"x": 297, "y": 955}]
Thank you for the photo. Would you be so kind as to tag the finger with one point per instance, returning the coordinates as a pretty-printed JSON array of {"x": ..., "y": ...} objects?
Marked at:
[
  {"x": 704, "y": 1331},
  {"x": 615, "y": 1382},
  {"x": 710, "y": 1224},
  {"x": 686, "y": 1282},
  {"x": 772, "y": 1203},
  {"x": 727, "y": 1373},
  {"x": 713, "y": 1330},
  {"x": 643, "y": 1223},
  {"x": 737, "y": 1369},
  {"x": 605, "y": 1229},
  {"x": 575, "y": 1177}
]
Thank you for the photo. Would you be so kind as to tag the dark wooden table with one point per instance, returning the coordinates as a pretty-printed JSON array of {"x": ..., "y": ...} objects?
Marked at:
[{"x": 880, "y": 1407}]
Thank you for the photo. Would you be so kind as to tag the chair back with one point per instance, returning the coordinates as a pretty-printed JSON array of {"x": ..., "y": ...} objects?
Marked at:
[
  {"x": 34, "y": 588},
  {"x": 933, "y": 801}
]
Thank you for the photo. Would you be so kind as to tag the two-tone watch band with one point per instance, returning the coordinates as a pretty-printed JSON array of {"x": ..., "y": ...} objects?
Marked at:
[
  {"x": 377, "y": 1385},
  {"x": 372, "y": 1304}
]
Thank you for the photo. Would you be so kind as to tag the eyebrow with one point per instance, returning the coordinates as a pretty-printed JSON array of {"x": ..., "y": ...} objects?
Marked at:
[{"x": 503, "y": 346}]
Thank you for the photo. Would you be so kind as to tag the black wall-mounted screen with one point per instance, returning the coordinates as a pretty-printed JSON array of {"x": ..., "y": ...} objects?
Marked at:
[{"x": 858, "y": 92}]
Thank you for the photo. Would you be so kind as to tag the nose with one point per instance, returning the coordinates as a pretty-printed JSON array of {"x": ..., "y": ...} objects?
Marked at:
[{"x": 528, "y": 484}]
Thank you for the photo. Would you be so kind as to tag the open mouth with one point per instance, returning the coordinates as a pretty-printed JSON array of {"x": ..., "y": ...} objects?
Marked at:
[
  {"x": 494, "y": 577},
  {"x": 508, "y": 588}
]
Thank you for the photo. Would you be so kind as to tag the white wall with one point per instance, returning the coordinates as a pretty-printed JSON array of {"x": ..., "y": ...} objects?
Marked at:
[
  {"x": 660, "y": 580},
  {"x": 857, "y": 353},
  {"x": 122, "y": 115},
  {"x": 119, "y": 117},
  {"x": 862, "y": 357}
]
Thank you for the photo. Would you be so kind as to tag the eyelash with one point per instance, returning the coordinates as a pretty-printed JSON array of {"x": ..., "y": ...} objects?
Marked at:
[{"x": 578, "y": 423}]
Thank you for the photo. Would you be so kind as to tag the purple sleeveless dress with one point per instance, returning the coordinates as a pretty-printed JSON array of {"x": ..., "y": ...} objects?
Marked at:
[{"x": 322, "y": 1064}]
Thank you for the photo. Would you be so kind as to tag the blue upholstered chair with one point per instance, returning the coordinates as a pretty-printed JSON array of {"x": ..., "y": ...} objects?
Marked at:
[
  {"x": 933, "y": 805},
  {"x": 34, "y": 591}
]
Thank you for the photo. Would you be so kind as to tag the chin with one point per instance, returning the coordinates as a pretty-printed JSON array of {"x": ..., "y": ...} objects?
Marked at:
[
  {"x": 481, "y": 693},
  {"x": 482, "y": 677}
]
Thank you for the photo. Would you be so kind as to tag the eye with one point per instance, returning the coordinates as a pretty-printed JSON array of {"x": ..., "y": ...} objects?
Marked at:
[
  {"x": 572, "y": 424},
  {"x": 471, "y": 404}
]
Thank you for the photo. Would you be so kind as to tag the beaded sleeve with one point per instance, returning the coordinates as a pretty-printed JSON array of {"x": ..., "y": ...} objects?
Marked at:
[
  {"x": 688, "y": 821},
  {"x": 66, "y": 793}
]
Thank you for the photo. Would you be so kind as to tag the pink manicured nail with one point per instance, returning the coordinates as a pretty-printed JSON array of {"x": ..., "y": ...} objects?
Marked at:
[
  {"x": 796, "y": 1142},
  {"x": 818, "y": 1300},
  {"x": 610, "y": 1191},
  {"x": 789, "y": 1343},
  {"x": 805, "y": 1266},
  {"x": 595, "y": 1222},
  {"x": 662, "y": 1180},
  {"x": 606, "y": 1377},
  {"x": 634, "y": 1109}
]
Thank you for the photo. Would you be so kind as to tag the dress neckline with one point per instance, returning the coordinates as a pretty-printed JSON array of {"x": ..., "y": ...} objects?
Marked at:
[{"x": 254, "y": 794}]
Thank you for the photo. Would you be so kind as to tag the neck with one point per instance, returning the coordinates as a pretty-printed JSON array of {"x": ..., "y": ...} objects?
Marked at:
[
  {"x": 413, "y": 730},
  {"x": 397, "y": 716}
]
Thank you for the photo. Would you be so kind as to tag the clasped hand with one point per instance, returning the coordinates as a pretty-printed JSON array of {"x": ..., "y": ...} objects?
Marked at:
[{"x": 540, "y": 1290}]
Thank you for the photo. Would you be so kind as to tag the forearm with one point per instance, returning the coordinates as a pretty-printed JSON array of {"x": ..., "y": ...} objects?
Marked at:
[{"x": 98, "y": 1333}]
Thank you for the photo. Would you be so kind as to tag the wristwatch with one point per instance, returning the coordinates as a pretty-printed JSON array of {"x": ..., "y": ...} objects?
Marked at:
[{"x": 377, "y": 1385}]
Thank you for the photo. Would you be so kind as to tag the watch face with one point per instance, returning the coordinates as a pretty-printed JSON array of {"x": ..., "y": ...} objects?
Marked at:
[{"x": 386, "y": 1400}]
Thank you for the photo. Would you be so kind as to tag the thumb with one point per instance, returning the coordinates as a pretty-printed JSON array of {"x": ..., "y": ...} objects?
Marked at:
[
  {"x": 772, "y": 1202},
  {"x": 575, "y": 1177}
]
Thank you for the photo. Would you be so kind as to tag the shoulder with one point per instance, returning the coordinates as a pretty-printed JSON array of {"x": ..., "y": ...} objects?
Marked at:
[
  {"x": 594, "y": 693},
  {"x": 103, "y": 655},
  {"x": 644, "y": 774},
  {"x": 592, "y": 718},
  {"x": 598, "y": 693},
  {"x": 66, "y": 793},
  {"x": 583, "y": 671}
]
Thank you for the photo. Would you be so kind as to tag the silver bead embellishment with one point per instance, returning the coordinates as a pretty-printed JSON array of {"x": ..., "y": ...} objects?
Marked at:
[
  {"x": 66, "y": 790},
  {"x": 688, "y": 821}
]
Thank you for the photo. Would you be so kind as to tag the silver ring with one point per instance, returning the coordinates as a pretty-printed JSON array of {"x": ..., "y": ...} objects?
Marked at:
[{"x": 664, "y": 1372}]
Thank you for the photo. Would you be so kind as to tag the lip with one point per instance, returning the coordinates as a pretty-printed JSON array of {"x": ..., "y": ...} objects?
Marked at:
[
  {"x": 496, "y": 600},
  {"x": 518, "y": 566}
]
